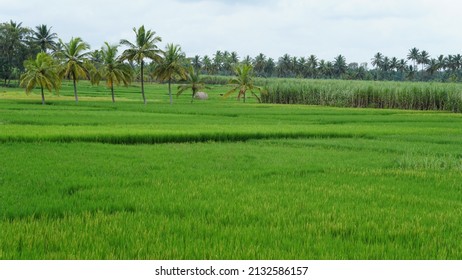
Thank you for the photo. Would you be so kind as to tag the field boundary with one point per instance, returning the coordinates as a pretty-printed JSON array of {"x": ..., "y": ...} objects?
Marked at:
[{"x": 131, "y": 139}]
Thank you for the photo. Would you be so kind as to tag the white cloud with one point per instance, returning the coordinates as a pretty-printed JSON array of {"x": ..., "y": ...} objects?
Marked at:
[{"x": 355, "y": 28}]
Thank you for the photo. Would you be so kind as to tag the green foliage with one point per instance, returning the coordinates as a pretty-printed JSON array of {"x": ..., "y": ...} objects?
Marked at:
[
  {"x": 112, "y": 70},
  {"x": 43, "y": 37},
  {"x": 15, "y": 48},
  {"x": 265, "y": 182},
  {"x": 194, "y": 82},
  {"x": 171, "y": 66},
  {"x": 41, "y": 72},
  {"x": 74, "y": 58},
  {"x": 243, "y": 82},
  {"x": 144, "y": 48},
  {"x": 387, "y": 95}
]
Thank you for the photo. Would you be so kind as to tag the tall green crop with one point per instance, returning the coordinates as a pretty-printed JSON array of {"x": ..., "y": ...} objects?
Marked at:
[{"x": 365, "y": 94}]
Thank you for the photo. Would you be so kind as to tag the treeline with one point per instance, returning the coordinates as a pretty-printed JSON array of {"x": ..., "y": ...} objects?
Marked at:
[
  {"x": 19, "y": 43},
  {"x": 417, "y": 66}
]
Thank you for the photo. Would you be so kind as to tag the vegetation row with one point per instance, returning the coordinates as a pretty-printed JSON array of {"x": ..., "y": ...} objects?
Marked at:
[
  {"x": 413, "y": 96},
  {"x": 18, "y": 43},
  {"x": 131, "y": 139}
]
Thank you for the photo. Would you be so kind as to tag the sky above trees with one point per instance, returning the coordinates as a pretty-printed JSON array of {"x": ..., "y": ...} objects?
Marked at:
[{"x": 356, "y": 29}]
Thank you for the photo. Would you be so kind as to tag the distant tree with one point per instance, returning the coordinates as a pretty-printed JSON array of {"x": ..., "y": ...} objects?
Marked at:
[
  {"x": 442, "y": 62},
  {"x": 432, "y": 66},
  {"x": 171, "y": 66},
  {"x": 43, "y": 72},
  {"x": 259, "y": 64},
  {"x": 247, "y": 60},
  {"x": 284, "y": 66},
  {"x": 196, "y": 62},
  {"x": 207, "y": 64},
  {"x": 386, "y": 64},
  {"x": 312, "y": 65},
  {"x": 270, "y": 67},
  {"x": 113, "y": 70},
  {"x": 144, "y": 48},
  {"x": 325, "y": 68},
  {"x": 293, "y": 66},
  {"x": 14, "y": 49},
  {"x": 228, "y": 60},
  {"x": 243, "y": 82},
  {"x": 394, "y": 63},
  {"x": 96, "y": 57},
  {"x": 217, "y": 62},
  {"x": 423, "y": 59},
  {"x": 301, "y": 67},
  {"x": 234, "y": 58},
  {"x": 340, "y": 65},
  {"x": 414, "y": 55},
  {"x": 194, "y": 82},
  {"x": 361, "y": 73},
  {"x": 74, "y": 57},
  {"x": 44, "y": 38},
  {"x": 377, "y": 61},
  {"x": 401, "y": 66}
]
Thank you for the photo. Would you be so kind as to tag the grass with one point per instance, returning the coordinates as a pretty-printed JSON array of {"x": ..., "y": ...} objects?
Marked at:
[{"x": 219, "y": 179}]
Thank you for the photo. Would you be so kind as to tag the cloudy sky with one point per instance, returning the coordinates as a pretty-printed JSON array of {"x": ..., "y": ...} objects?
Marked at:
[{"x": 356, "y": 29}]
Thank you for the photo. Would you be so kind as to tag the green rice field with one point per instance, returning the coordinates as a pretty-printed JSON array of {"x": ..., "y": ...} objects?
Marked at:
[{"x": 220, "y": 179}]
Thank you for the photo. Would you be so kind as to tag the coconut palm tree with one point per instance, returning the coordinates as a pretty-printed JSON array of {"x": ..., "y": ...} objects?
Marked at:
[
  {"x": 284, "y": 65},
  {"x": 171, "y": 66},
  {"x": 207, "y": 64},
  {"x": 377, "y": 62},
  {"x": 401, "y": 66},
  {"x": 432, "y": 66},
  {"x": 424, "y": 59},
  {"x": 112, "y": 69},
  {"x": 442, "y": 62},
  {"x": 259, "y": 64},
  {"x": 144, "y": 48},
  {"x": 194, "y": 82},
  {"x": 196, "y": 62},
  {"x": 247, "y": 60},
  {"x": 43, "y": 72},
  {"x": 243, "y": 82},
  {"x": 43, "y": 37},
  {"x": 414, "y": 55},
  {"x": 74, "y": 57},
  {"x": 312, "y": 65},
  {"x": 301, "y": 67},
  {"x": 394, "y": 63},
  {"x": 13, "y": 49},
  {"x": 385, "y": 64},
  {"x": 234, "y": 58},
  {"x": 340, "y": 65},
  {"x": 270, "y": 66},
  {"x": 217, "y": 62}
]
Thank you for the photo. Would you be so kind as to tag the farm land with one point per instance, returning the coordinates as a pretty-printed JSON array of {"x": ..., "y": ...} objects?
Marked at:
[{"x": 221, "y": 179}]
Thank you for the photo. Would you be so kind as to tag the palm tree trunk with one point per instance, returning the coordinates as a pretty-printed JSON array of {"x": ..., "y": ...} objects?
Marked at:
[
  {"x": 193, "y": 94},
  {"x": 112, "y": 93},
  {"x": 75, "y": 88},
  {"x": 170, "y": 90},
  {"x": 142, "y": 82},
  {"x": 43, "y": 96}
]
